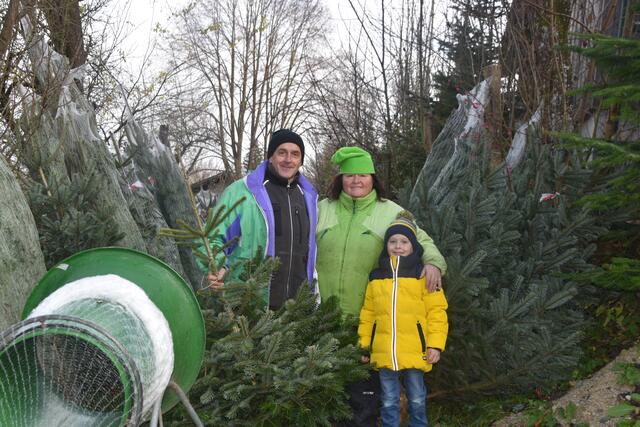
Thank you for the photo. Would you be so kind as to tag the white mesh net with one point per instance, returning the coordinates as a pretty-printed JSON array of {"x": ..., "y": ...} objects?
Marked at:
[
  {"x": 125, "y": 311},
  {"x": 61, "y": 371},
  {"x": 95, "y": 352}
]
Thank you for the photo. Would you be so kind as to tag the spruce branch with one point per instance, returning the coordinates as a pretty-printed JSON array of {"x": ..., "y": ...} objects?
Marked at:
[{"x": 191, "y": 236}]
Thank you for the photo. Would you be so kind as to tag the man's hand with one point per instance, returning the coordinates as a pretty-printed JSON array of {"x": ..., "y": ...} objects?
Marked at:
[
  {"x": 434, "y": 277},
  {"x": 433, "y": 355},
  {"x": 216, "y": 280}
]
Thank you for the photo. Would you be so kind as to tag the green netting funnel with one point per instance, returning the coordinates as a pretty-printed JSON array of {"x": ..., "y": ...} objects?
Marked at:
[
  {"x": 130, "y": 324},
  {"x": 62, "y": 371}
]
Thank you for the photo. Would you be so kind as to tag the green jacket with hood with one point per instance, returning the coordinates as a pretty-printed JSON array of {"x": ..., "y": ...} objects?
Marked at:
[
  {"x": 251, "y": 224},
  {"x": 349, "y": 237}
]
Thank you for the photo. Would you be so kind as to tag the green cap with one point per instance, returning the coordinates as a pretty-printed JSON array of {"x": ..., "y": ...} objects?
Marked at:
[{"x": 353, "y": 160}]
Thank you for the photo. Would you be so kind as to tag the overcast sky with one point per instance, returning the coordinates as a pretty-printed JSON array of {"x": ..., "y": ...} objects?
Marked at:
[{"x": 141, "y": 16}]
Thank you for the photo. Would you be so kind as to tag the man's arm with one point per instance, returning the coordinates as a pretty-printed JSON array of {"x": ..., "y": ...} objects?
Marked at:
[{"x": 218, "y": 236}]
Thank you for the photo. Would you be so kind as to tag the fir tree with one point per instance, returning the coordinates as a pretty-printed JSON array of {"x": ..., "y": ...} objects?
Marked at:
[
  {"x": 469, "y": 44},
  {"x": 69, "y": 218},
  {"x": 616, "y": 194},
  {"x": 265, "y": 368},
  {"x": 514, "y": 324}
]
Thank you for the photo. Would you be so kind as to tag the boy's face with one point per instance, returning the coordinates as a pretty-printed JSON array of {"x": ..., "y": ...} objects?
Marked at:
[{"x": 399, "y": 245}]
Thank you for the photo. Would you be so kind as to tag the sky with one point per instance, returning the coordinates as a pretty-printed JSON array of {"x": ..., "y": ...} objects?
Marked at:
[{"x": 141, "y": 16}]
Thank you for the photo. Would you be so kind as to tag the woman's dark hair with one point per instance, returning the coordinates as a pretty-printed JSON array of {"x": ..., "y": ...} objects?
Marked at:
[{"x": 335, "y": 188}]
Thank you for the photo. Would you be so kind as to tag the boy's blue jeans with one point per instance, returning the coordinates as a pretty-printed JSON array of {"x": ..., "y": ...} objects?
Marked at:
[{"x": 416, "y": 395}]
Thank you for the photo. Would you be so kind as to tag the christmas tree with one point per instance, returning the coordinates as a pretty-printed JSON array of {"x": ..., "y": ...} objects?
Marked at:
[
  {"x": 266, "y": 368},
  {"x": 616, "y": 157},
  {"x": 21, "y": 260},
  {"x": 509, "y": 234},
  {"x": 70, "y": 218}
]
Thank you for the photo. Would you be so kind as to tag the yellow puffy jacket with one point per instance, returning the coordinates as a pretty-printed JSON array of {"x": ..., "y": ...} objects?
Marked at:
[{"x": 400, "y": 319}]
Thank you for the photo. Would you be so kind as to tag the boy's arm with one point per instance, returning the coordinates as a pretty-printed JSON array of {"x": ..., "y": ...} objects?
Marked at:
[
  {"x": 435, "y": 305},
  {"x": 367, "y": 318},
  {"x": 431, "y": 253}
]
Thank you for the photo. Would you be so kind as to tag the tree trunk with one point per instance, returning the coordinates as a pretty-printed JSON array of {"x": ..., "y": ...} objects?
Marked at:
[
  {"x": 63, "y": 17},
  {"x": 21, "y": 260}
]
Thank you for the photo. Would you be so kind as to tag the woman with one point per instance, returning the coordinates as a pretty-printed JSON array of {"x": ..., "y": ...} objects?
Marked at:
[{"x": 350, "y": 234}]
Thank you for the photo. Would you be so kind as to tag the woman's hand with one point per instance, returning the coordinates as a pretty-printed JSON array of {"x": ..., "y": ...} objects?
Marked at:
[
  {"x": 434, "y": 277},
  {"x": 216, "y": 280},
  {"x": 433, "y": 355}
]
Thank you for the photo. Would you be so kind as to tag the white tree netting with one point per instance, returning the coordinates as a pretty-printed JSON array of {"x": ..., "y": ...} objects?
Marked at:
[
  {"x": 155, "y": 163},
  {"x": 21, "y": 260},
  {"x": 519, "y": 143},
  {"x": 463, "y": 127},
  {"x": 61, "y": 135},
  {"x": 122, "y": 309}
]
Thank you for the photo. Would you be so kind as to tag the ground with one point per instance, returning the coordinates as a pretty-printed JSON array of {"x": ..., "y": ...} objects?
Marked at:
[{"x": 592, "y": 396}]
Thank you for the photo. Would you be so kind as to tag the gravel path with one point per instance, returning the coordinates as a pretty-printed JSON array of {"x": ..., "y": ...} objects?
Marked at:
[{"x": 593, "y": 396}]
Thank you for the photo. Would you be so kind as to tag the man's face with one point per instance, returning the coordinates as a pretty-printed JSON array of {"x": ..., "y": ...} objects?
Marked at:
[{"x": 286, "y": 160}]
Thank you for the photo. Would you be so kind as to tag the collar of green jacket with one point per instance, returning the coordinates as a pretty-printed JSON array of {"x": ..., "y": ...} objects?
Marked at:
[{"x": 359, "y": 203}]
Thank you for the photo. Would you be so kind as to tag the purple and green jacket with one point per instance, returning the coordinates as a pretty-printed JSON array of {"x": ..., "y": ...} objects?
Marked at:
[{"x": 252, "y": 221}]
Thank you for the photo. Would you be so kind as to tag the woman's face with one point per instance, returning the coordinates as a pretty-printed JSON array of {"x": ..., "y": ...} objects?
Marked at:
[{"x": 357, "y": 185}]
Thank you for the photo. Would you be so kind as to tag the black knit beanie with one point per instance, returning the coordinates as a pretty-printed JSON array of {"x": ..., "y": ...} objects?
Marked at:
[
  {"x": 404, "y": 224},
  {"x": 282, "y": 136}
]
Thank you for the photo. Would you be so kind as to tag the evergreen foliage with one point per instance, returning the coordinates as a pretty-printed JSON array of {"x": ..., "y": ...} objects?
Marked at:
[
  {"x": 265, "y": 368},
  {"x": 515, "y": 324},
  {"x": 616, "y": 193},
  {"x": 21, "y": 259},
  {"x": 69, "y": 219}
]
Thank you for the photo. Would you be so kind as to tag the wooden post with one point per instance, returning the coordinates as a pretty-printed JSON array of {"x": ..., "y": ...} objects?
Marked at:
[{"x": 493, "y": 114}]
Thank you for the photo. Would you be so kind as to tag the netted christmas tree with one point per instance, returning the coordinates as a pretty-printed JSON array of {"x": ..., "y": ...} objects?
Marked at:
[
  {"x": 509, "y": 233},
  {"x": 70, "y": 218}
]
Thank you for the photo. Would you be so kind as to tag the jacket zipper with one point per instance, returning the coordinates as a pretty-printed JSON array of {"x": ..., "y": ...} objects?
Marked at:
[
  {"x": 422, "y": 340},
  {"x": 291, "y": 240},
  {"x": 298, "y": 224},
  {"x": 373, "y": 335},
  {"x": 394, "y": 296},
  {"x": 344, "y": 250}
]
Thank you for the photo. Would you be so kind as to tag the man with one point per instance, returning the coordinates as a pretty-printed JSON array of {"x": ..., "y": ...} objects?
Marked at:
[{"x": 277, "y": 217}]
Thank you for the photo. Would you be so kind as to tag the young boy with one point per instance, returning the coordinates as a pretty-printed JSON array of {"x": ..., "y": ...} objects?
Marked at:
[{"x": 403, "y": 325}]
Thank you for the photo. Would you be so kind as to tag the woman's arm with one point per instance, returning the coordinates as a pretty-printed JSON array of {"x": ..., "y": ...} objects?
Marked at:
[
  {"x": 431, "y": 254},
  {"x": 434, "y": 263}
]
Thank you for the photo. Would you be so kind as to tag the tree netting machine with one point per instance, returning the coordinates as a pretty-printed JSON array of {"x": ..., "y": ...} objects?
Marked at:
[{"x": 109, "y": 337}]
